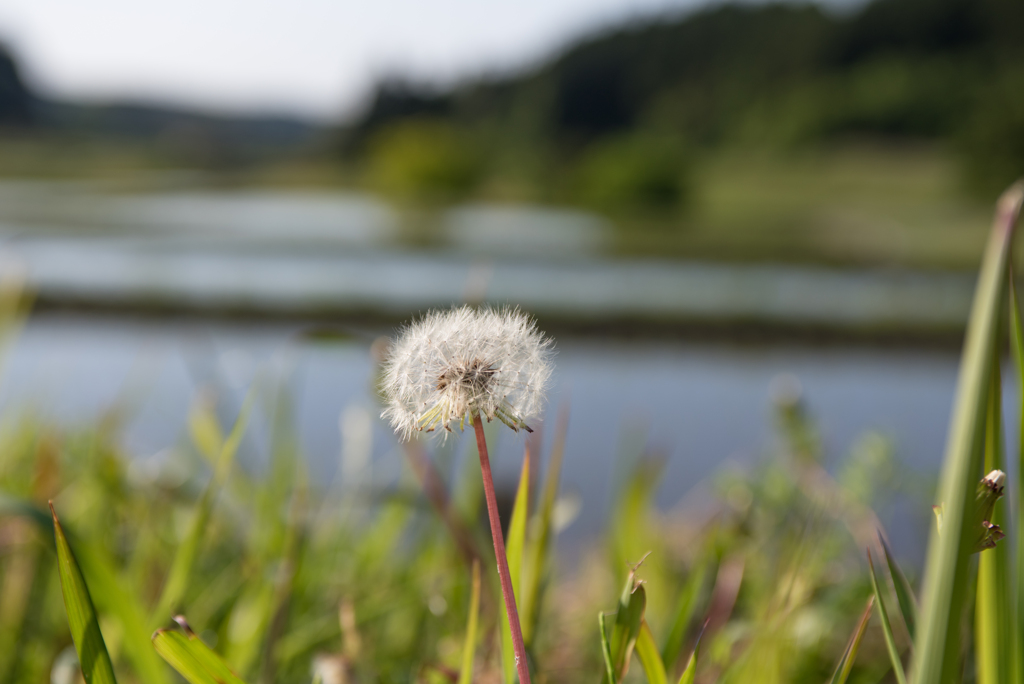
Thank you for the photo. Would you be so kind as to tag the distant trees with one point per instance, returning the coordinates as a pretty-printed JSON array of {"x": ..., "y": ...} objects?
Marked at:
[
  {"x": 15, "y": 98},
  {"x": 749, "y": 75}
]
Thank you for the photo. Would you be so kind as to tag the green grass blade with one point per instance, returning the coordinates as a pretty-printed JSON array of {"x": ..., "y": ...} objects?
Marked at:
[
  {"x": 469, "y": 647},
  {"x": 606, "y": 649},
  {"x": 684, "y": 613},
  {"x": 649, "y": 657},
  {"x": 845, "y": 664},
  {"x": 690, "y": 673},
  {"x": 938, "y": 647},
  {"x": 108, "y": 591},
  {"x": 85, "y": 629},
  {"x": 204, "y": 428},
  {"x": 993, "y": 623},
  {"x": 111, "y": 595},
  {"x": 883, "y": 614},
  {"x": 514, "y": 552},
  {"x": 541, "y": 547},
  {"x": 632, "y": 604},
  {"x": 904, "y": 593},
  {"x": 1016, "y": 492},
  {"x": 193, "y": 659},
  {"x": 208, "y": 437}
]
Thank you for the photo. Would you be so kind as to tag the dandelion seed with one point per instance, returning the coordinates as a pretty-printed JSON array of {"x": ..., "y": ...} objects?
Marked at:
[{"x": 451, "y": 365}]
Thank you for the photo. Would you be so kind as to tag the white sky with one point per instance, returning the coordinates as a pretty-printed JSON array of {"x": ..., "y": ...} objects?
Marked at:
[{"x": 315, "y": 58}]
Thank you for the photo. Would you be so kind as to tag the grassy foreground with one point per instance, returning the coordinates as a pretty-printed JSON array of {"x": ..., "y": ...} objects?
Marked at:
[{"x": 199, "y": 566}]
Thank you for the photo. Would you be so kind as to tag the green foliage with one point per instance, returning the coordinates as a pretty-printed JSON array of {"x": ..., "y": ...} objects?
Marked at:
[
  {"x": 85, "y": 627},
  {"x": 633, "y": 173},
  {"x": 647, "y": 653},
  {"x": 937, "y": 651},
  {"x": 904, "y": 593},
  {"x": 883, "y": 615},
  {"x": 221, "y": 452},
  {"x": 991, "y": 143},
  {"x": 423, "y": 159},
  {"x": 619, "y": 640},
  {"x": 845, "y": 664},
  {"x": 752, "y": 76},
  {"x": 690, "y": 671},
  {"x": 193, "y": 659}
]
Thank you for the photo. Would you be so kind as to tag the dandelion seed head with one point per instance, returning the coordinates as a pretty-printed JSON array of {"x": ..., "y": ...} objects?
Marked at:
[{"x": 449, "y": 365}]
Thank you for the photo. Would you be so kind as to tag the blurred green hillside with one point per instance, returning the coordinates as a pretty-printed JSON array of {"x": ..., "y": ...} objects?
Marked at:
[
  {"x": 739, "y": 131},
  {"x": 777, "y": 77}
]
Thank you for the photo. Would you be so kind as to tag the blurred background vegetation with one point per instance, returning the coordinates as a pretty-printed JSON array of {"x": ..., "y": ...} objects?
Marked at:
[{"x": 727, "y": 131}]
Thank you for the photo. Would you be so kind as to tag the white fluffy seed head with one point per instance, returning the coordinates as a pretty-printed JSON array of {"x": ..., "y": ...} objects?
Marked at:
[{"x": 449, "y": 365}]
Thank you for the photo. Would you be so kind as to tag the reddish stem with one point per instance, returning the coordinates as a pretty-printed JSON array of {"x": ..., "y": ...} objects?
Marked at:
[{"x": 499, "y": 552}]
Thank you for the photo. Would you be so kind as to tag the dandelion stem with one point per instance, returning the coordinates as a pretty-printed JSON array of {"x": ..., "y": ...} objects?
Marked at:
[{"x": 499, "y": 552}]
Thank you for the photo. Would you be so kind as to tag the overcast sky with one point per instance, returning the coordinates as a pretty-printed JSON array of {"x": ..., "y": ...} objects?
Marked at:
[{"x": 316, "y": 58}]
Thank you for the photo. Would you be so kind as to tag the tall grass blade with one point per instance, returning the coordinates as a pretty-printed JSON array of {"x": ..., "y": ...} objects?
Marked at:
[
  {"x": 649, "y": 657},
  {"x": 904, "y": 593},
  {"x": 845, "y": 664},
  {"x": 514, "y": 553},
  {"x": 937, "y": 651},
  {"x": 690, "y": 673},
  {"x": 993, "y": 623},
  {"x": 632, "y": 604},
  {"x": 114, "y": 598},
  {"x": 469, "y": 647},
  {"x": 193, "y": 659},
  {"x": 606, "y": 648},
  {"x": 85, "y": 629},
  {"x": 207, "y": 434},
  {"x": 883, "y": 614},
  {"x": 108, "y": 591},
  {"x": 1017, "y": 490},
  {"x": 684, "y": 613}
]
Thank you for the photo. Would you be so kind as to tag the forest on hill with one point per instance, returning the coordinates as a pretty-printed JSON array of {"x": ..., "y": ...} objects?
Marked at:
[{"x": 612, "y": 116}]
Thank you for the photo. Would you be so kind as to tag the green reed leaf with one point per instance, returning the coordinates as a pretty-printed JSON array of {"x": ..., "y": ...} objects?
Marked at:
[
  {"x": 606, "y": 648},
  {"x": 904, "y": 592},
  {"x": 191, "y": 657},
  {"x": 649, "y": 657},
  {"x": 690, "y": 673},
  {"x": 883, "y": 614},
  {"x": 1017, "y": 491},
  {"x": 685, "y": 610},
  {"x": 993, "y": 624},
  {"x": 938, "y": 647},
  {"x": 626, "y": 630},
  {"x": 85, "y": 629},
  {"x": 107, "y": 591},
  {"x": 845, "y": 664}
]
